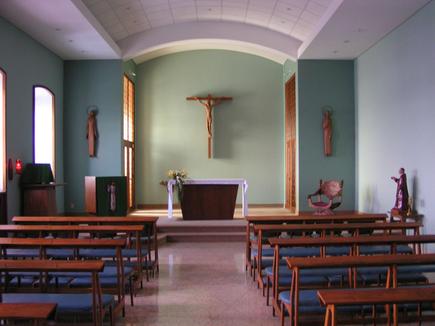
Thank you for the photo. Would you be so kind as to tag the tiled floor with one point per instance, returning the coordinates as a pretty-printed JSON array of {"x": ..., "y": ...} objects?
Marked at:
[{"x": 200, "y": 284}]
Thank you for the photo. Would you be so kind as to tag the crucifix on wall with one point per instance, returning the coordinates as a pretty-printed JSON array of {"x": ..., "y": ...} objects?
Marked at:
[{"x": 209, "y": 103}]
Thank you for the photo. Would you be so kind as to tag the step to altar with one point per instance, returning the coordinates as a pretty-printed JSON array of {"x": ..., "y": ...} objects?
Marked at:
[
  {"x": 205, "y": 237},
  {"x": 179, "y": 230}
]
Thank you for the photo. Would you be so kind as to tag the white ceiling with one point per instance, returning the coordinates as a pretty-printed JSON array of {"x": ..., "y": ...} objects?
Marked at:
[
  {"x": 122, "y": 18},
  {"x": 61, "y": 27},
  {"x": 356, "y": 26},
  {"x": 141, "y": 29}
]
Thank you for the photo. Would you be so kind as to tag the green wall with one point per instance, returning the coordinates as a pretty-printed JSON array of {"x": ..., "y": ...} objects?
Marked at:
[
  {"x": 91, "y": 83},
  {"x": 28, "y": 63},
  {"x": 321, "y": 83},
  {"x": 248, "y": 131}
]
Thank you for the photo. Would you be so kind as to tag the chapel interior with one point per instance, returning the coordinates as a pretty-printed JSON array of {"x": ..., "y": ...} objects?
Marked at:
[{"x": 217, "y": 162}]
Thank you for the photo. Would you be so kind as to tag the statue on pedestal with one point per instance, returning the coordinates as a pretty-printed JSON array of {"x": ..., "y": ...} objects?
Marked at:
[{"x": 402, "y": 197}]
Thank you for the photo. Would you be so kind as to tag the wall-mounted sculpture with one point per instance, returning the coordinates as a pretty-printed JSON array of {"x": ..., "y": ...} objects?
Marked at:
[
  {"x": 327, "y": 131},
  {"x": 91, "y": 130},
  {"x": 209, "y": 103}
]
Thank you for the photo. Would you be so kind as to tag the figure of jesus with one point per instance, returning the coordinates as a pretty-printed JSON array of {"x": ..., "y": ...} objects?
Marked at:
[
  {"x": 402, "y": 196},
  {"x": 208, "y": 105},
  {"x": 327, "y": 133}
]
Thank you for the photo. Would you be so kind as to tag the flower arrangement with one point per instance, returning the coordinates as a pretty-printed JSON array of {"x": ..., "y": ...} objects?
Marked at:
[{"x": 179, "y": 176}]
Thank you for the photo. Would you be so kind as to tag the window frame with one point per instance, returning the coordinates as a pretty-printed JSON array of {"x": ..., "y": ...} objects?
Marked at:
[
  {"x": 128, "y": 146},
  {"x": 4, "y": 76},
  {"x": 53, "y": 124}
]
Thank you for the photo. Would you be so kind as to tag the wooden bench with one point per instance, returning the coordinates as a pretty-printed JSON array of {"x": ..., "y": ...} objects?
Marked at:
[
  {"x": 73, "y": 231},
  {"x": 324, "y": 229},
  {"x": 149, "y": 221},
  {"x": 37, "y": 312},
  {"x": 352, "y": 262},
  {"x": 45, "y": 266},
  {"x": 306, "y": 218},
  {"x": 42, "y": 244},
  {"x": 333, "y": 298},
  {"x": 353, "y": 242}
]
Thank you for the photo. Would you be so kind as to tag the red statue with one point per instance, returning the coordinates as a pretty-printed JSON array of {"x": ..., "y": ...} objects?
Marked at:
[
  {"x": 327, "y": 133},
  {"x": 402, "y": 196}
]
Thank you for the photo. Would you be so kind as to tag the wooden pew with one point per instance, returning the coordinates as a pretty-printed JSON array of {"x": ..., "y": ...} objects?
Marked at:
[
  {"x": 43, "y": 244},
  {"x": 73, "y": 231},
  {"x": 390, "y": 261},
  {"x": 354, "y": 242},
  {"x": 101, "y": 220},
  {"x": 43, "y": 266},
  {"x": 36, "y": 312},
  {"x": 325, "y": 229},
  {"x": 333, "y": 298},
  {"x": 306, "y": 218}
]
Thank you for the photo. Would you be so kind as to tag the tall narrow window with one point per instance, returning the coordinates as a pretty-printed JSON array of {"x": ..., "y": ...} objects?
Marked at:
[
  {"x": 128, "y": 138},
  {"x": 43, "y": 126},
  {"x": 2, "y": 131}
]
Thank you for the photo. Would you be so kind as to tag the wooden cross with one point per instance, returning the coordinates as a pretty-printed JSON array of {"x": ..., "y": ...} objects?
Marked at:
[{"x": 209, "y": 102}]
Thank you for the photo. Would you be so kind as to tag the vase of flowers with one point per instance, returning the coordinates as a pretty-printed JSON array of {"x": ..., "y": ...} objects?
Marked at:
[{"x": 180, "y": 177}]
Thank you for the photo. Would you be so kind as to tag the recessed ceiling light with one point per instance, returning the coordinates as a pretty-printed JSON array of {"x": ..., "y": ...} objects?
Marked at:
[
  {"x": 346, "y": 41},
  {"x": 70, "y": 41},
  {"x": 58, "y": 29}
]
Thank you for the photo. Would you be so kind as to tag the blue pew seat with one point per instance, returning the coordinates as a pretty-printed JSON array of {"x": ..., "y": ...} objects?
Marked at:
[{"x": 66, "y": 302}]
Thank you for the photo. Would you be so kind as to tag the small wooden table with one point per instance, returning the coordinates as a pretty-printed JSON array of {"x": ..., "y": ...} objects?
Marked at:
[
  {"x": 92, "y": 266},
  {"x": 38, "y": 312},
  {"x": 333, "y": 298}
]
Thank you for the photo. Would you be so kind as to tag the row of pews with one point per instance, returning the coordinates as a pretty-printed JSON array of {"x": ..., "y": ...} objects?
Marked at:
[
  {"x": 74, "y": 267},
  {"x": 347, "y": 267}
]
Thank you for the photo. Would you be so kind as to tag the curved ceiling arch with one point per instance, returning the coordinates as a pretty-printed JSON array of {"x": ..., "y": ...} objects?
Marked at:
[{"x": 210, "y": 35}]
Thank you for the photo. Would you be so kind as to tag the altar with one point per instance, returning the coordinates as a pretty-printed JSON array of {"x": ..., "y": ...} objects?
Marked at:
[{"x": 209, "y": 198}]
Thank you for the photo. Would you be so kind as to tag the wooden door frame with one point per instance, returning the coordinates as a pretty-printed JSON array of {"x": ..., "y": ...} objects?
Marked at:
[
  {"x": 130, "y": 145},
  {"x": 290, "y": 143}
]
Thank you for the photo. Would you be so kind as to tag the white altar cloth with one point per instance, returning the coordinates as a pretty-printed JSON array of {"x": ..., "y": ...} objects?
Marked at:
[{"x": 241, "y": 182}]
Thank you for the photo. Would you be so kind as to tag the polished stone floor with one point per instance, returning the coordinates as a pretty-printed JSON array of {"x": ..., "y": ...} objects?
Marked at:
[{"x": 200, "y": 284}]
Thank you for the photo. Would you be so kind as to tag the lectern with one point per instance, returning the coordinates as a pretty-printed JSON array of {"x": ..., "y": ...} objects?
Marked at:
[{"x": 38, "y": 190}]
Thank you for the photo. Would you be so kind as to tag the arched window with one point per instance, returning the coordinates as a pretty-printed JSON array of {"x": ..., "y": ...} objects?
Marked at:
[
  {"x": 2, "y": 131},
  {"x": 43, "y": 126}
]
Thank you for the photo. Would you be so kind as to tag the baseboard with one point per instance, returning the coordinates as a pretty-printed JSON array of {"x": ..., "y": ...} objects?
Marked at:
[{"x": 177, "y": 206}]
